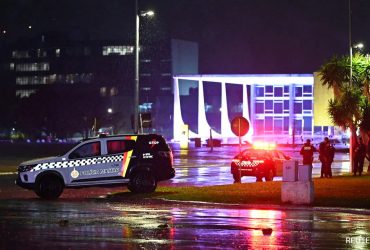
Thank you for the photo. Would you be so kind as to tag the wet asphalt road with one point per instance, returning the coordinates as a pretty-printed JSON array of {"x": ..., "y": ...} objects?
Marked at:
[
  {"x": 32, "y": 224},
  {"x": 80, "y": 221}
]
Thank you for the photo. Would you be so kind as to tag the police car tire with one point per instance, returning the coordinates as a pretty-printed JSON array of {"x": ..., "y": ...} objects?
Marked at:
[
  {"x": 236, "y": 177},
  {"x": 142, "y": 182},
  {"x": 269, "y": 175},
  {"x": 49, "y": 187}
]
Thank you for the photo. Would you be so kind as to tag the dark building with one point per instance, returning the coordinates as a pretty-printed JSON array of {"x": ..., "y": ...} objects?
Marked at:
[{"x": 61, "y": 87}]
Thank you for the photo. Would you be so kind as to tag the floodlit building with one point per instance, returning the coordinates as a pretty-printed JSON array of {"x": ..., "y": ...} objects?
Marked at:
[{"x": 279, "y": 108}]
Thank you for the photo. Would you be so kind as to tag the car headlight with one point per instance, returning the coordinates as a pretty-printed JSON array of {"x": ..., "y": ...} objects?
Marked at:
[{"x": 26, "y": 168}]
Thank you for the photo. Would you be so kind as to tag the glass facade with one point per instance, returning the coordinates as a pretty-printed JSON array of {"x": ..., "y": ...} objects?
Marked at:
[{"x": 278, "y": 107}]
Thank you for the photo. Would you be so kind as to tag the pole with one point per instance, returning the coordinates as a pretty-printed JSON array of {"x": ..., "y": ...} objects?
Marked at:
[
  {"x": 136, "y": 88},
  {"x": 351, "y": 138},
  {"x": 240, "y": 150}
]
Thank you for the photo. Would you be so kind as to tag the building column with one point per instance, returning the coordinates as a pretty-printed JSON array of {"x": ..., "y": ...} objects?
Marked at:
[
  {"x": 177, "y": 117},
  {"x": 203, "y": 126},
  {"x": 225, "y": 122},
  {"x": 249, "y": 117}
]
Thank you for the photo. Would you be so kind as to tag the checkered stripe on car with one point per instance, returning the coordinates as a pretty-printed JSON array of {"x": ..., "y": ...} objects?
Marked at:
[
  {"x": 77, "y": 163},
  {"x": 250, "y": 163}
]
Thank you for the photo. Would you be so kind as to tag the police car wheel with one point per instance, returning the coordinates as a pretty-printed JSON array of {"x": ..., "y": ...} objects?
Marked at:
[
  {"x": 142, "y": 182},
  {"x": 269, "y": 175},
  {"x": 49, "y": 187},
  {"x": 236, "y": 177}
]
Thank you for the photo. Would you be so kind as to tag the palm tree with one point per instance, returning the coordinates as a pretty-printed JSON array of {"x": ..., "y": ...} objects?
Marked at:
[
  {"x": 334, "y": 74},
  {"x": 363, "y": 70},
  {"x": 350, "y": 111}
]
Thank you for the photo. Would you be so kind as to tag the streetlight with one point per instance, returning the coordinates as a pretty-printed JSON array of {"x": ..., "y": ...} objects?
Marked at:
[{"x": 136, "y": 88}]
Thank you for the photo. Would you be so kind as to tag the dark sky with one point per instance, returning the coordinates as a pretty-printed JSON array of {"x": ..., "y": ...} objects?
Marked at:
[{"x": 235, "y": 36}]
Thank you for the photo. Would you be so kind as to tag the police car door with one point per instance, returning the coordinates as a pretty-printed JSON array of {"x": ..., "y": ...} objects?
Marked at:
[
  {"x": 119, "y": 151},
  {"x": 84, "y": 163}
]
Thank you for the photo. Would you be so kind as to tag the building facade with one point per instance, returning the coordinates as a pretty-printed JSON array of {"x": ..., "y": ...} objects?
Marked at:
[
  {"x": 279, "y": 108},
  {"x": 100, "y": 71}
]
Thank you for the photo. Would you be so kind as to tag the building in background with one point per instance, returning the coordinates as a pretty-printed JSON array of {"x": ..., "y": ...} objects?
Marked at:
[
  {"x": 280, "y": 108},
  {"x": 95, "y": 78}
]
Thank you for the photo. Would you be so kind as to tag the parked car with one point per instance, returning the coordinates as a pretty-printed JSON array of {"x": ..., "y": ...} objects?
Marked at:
[
  {"x": 138, "y": 161},
  {"x": 261, "y": 163}
]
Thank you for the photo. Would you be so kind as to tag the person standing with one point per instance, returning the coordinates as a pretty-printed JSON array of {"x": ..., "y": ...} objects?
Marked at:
[
  {"x": 323, "y": 155},
  {"x": 359, "y": 157},
  {"x": 307, "y": 151},
  {"x": 368, "y": 152},
  {"x": 329, "y": 152}
]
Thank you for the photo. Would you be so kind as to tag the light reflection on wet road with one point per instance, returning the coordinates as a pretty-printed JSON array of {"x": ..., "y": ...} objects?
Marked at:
[
  {"x": 98, "y": 225},
  {"x": 201, "y": 167}
]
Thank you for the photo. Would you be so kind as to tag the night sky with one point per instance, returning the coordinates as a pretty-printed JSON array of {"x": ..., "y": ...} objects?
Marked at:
[{"x": 235, "y": 36}]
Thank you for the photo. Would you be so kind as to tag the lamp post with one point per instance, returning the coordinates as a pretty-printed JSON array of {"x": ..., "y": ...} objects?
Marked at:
[{"x": 137, "y": 48}]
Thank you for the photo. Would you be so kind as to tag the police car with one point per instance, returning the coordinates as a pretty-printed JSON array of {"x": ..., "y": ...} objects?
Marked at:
[
  {"x": 139, "y": 161},
  {"x": 260, "y": 161}
]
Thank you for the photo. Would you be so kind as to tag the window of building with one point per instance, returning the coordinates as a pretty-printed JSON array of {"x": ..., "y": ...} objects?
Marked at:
[
  {"x": 145, "y": 88},
  {"x": 260, "y": 91},
  {"x": 41, "y": 53},
  {"x": 297, "y": 126},
  {"x": 297, "y": 108},
  {"x": 57, "y": 52},
  {"x": 24, "y": 93},
  {"x": 260, "y": 108},
  {"x": 269, "y": 90},
  {"x": 42, "y": 66},
  {"x": 298, "y": 91},
  {"x": 103, "y": 91},
  {"x": 286, "y": 123},
  {"x": 268, "y": 123},
  {"x": 307, "y": 104},
  {"x": 278, "y": 107},
  {"x": 286, "y": 105},
  {"x": 268, "y": 105},
  {"x": 165, "y": 88},
  {"x": 307, "y": 89},
  {"x": 118, "y": 50},
  {"x": 20, "y": 54},
  {"x": 278, "y": 91},
  {"x": 11, "y": 66},
  {"x": 307, "y": 123},
  {"x": 286, "y": 89},
  {"x": 278, "y": 125},
  {"x": 113, "y": 91}
]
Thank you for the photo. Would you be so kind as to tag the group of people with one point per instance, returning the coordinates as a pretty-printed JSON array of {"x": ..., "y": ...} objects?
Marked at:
[
  {"x": 326, "y": 155},
  {"x": 327, "y": 152}
]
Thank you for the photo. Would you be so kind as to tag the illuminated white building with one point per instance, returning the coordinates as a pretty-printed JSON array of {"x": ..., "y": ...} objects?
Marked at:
[{"x": 278, "y": 107}]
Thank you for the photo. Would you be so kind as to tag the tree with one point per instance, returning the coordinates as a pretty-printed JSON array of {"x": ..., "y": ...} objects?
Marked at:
[
  {"x": 350, "y": 107},
  {"x": 333, "y": 74}
]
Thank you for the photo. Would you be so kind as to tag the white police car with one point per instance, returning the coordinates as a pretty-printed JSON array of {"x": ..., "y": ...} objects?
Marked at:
[{"x": 139, "y": 161}]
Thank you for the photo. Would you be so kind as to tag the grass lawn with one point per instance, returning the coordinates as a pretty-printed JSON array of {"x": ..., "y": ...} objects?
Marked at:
[{"x": 343, "y": 191}]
